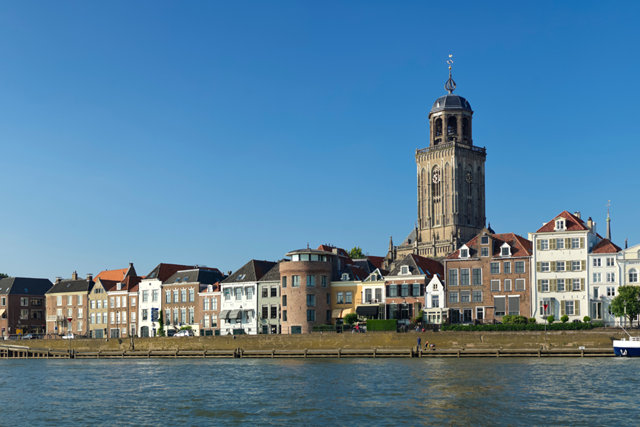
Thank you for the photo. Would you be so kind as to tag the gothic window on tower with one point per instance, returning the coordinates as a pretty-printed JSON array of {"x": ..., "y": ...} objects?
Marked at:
[
  {"x": 438, "y": 127},
  {"x": 445, "y": 205},
  {"x": 452, "y": 125},
  {"x": 435, "y": 195},
  {"x": 465, "y": 127}
]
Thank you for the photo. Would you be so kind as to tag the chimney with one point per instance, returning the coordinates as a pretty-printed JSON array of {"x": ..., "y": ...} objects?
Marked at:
[
  {"x": 58, "y": 280},
  {"x": 74, "y": 275},
  {"x": 229, "y": 273},
  {"x": 89, "y": 277},
  {"x": 130, "y": 264},
  {"x": 577, "y": 214},
  {"x": 625, "y": 243},
  {"x": 591, "y": 225}
]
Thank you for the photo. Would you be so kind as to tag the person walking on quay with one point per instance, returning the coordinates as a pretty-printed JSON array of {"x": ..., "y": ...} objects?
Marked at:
[{"x": 419, "y": 342}]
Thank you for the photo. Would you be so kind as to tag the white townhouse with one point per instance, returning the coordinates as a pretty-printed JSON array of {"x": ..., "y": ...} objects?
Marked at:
[
  {"x": 434, "y": 301},
  {"x": 560, "y": 255},
  {"x": 370, "y": 303},
  {"x": 239, "y": 308},
  {"x": 604, "y": 279},
  {"x": 629, "y": 261}
]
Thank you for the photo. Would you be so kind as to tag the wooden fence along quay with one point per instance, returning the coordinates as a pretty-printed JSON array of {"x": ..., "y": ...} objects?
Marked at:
[{"x": 22, "y": 352}]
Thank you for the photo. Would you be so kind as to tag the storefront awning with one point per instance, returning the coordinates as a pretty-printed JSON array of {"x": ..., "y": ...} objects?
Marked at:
[
  {"x": 2, "y": 312},
  {"x": 224, "y": 314},
  {"x": 367, "y": 310},
  {"x": 235, "y": 314},
  {"x": 346, "y": 311},
  {"x": 336, "y": 313}
]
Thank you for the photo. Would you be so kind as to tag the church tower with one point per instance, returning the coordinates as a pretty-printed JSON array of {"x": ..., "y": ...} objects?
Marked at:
[{"x": 451, "y": 178}]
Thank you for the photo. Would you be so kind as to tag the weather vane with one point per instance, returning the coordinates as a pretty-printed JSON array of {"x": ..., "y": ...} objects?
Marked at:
[
  {"x": 608, "y": 204},
  {"x": 450, "y": 85}
]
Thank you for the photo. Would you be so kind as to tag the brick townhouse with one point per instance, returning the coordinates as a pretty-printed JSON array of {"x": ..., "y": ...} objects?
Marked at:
[
  {"x": 22, "y": 305},
  {"x": 67, "y": 305}
]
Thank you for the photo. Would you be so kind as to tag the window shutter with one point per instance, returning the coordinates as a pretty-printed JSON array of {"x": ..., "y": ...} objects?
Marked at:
[
  {"x": 553, "y": 286},
  {"x": 538, "y": 244},
  {"x": 562, "y": 308},
  {"x": 583, "y": 265},
  {"x": 539, "y": 285},
  {"x": 552, "y": 244},
  {"x": 567, "y": 266},
  {"x": 553, "y": 265},
  {"x": 576, "y": 307},
  {"x": 582, "y": 243},
  {"x": 567, "y": 243},
  {"x": 538, "y": 266},
  {"x": 582, "y": 285}
]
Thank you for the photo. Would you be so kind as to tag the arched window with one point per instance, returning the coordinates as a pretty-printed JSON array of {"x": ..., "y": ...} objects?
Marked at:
[
  {"x": 425, "y": 196},
  {"x": 465, "y": 127},
  {"x": 452, "y": 125},
  {"x": 438, "y": 127},
  {"x": 436, "y": 192},
  {"x": 445, "y": 204},
  {"x": 633, "y": 275}
]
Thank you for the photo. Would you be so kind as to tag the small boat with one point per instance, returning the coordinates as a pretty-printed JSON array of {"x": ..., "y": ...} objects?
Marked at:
[{"x": 629, "y": 348}]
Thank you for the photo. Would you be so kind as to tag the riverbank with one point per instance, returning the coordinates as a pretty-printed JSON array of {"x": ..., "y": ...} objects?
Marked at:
[{"x": 329, "y": 341}]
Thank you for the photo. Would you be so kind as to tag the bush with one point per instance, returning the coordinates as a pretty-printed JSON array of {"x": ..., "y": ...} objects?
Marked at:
[
  {"x": 551, "y": 319},
  {"x": 517, "y": 327},
  {"x": 564, "y": 319},
  {"x": 597, "y": 325},
  {"x": 514, "y": 320},
  {"x": 586, "y": 319},
  {"x": 351, "y": 318},
  {"x": 532, "y": 320},
  {"x": 375, "y": 325}
]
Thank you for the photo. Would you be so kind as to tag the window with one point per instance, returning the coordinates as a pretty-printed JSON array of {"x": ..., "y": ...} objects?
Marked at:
[
  {"x": 495, "y": 285},
  {"x": 500, "y": 305},
  {"x": 416, "y": 290},
  {"x": 58, "y": 301},
  {"x": 484, "y": 252},
  {"x": 250, "y": 293},
  {"x": 560, "y": 265},
  {"x": 324, "y": 281},
  {"x": 544, "y": 245},
  {"x": 265, "y": 292},
  {"x": 295, "y": 281},
  {"x": 484, "y": 240},
  {"x": 561, "y": 285},
  {"x": 284, "y": 300},
  {"x": 92, "y": 320},
  {"x": 435, "y": 286},
  {"x": 519, "y": 267},
  {"x": 404, "y": 290},
  {"x": 519, "y": 284},
  {"x": 548, "y": 310},
  {"x": 104, "y": 318},
  {"x": 560, "y": 224},
  {"x": 274, "y": 291},
  {"x": 176, "y": 316},
  {"x": 633, "y": 275},
  {"x": 435, "y": 301},
  {"x": 80, "y": 314},
  {"x": 464, "y": 277},
  {"x": 464, "y": 253},
  {"x": 133, "y": 316},
  {"x": 367, "y": 296},
  {"x": 183, "y": 295},
  {"x": 145, "y": 296},
  {"x": 117, "y": 317},
  {"x": 477, "y": 296},
  {"x": 597, "y": 277},
  {"x": 311, "y": 315},
  {"x": 495, "y": 268},
  {"x": 611, "y": 277},
  {"x": 453, "y": 277},
  {"x": 100, "y": 305},
  {"x": 507, "y": 268},
  {"x": 79, "y": 299},
  {"x": 576, "y": 284},
  {"x": 124, "y": 301},
  {"x": 24, "y": 314},
  {"x": 393, "y": 290},
  {"x": 453, "y": 297},
  {"x": 113, "y": 316},
  {"x": 311, "y": 281},
  {"x": 284, "y": 315},
  {"x": 79, "y": 326},
  {"x": 69, "y": 300},
  {"x": 576, "y": 266},
  {"x": 192, "y": 318},
  {"x": 311, "y": 299},
  {"x": 274, "y": 311},
  {"x": 404, "y": 269},
  {"x": 559, "y": 245},
  {"x": 514, "y": 306},
  {"x": 284, "y": 282},
  {"x": 206, "y": 320},
  {"x": 505, "y": 251},
  {"x": 69, "y": 312},
  {"x": 597, "y": 262},
  {"x": 575, "y": 243},
  {"x": 92, "y": 304},
  {"x": 265, "y": 311},
  {"x": 544, "y": 285},
  {"x": 238, "y": 293},
  {"x": 214, "y": 303},
  {"x": 183, "y": 316},
  {"x": 155, "y": 295},
  {"x": 378, "y": 295},
  {"x": 24, "y": 302},
  {"x": 507, "y": 285},
  {"x": 345, "y": 277},
  {"x": 544, "y": 267},
  {"x": 347, "y": 298},
  {"x": 205, "y": 304},
  {"x": 611, "y": 291},
  {"x": 477, "y": 278},
  {"x": 176, "y": 296},
  {"x": 568, "y": 308},
  {"x": 340, "y": 298},
  {"x": 133, "y": 300},
  {"x": 609, "y": 262},
  {"x": 465, "y": 296},
  {"x": 112, "y": 302}
]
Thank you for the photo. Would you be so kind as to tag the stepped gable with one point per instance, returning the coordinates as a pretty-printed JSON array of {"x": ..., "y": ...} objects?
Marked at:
[
  {"x": 572, "y": 223},
  {"x": 606, "y": 247}
]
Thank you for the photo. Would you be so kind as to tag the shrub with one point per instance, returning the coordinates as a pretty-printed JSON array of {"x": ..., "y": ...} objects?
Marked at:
[
  {"x": 597, "y": 325},
  {"x": 564, "y": 319},
  {"x": 586, "y": 319},
  {"x": 374, "y": 325},
  {"x": 351, "y": 318},
  {"x": 517, "y": 327},
  {"x": 532, "y": 320},
  {"x": 551, "y": 319}
]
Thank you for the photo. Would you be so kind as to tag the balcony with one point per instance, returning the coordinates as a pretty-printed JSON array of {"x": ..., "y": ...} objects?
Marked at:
[{"x": 473, "y": 148}]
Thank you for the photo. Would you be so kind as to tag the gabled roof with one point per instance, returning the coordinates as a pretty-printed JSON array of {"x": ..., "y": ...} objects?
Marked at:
[
  {"x": 108, "y": 285},
  {"x": 196, "y": 275},
  {"x": 69, "y": 285},
  {"x": 520, "y": 247},
  {"x": 163, "y": 271},
  {"x": 606, "y": 247},
  {"x": 418, "y": 266},
  {"x": 410, "y": 239},
  {"x": 572, "y": 223},
  {"x": 117, "y": 275},
  {"x": 355, "y": 273},
  {"x": 252, "y": 271},
  {"x": 131, "y": 283},
  {"x": 377, "y": 261},
  {"x": 272, "y": 275},
  {"x": 24, "y": 286}
]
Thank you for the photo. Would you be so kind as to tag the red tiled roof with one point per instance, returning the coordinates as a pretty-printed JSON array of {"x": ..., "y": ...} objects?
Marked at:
[
  {"x": 427, "y": 264},
  {"x": 572, "y": 223},
  {"x": 215, "y": 288},
  {"x": 519, "y": 245},
  {"x": 109, "y": 285},
  {"x": 341, "y": 252},
  {"x": 117, "y": 275},
  {"x": 377, "y": 261},
  {"x": 359, "y": 273},
  {"x": 606, "y": 247},
  {"x": 131, "y": 283}
]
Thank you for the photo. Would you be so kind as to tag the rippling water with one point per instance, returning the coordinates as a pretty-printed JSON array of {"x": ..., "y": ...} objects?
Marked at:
[{"x": 566, "y": 392}]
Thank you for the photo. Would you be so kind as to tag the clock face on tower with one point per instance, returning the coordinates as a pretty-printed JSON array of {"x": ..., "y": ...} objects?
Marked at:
[
  {"x": 436, "y": 176},
  {"x": 469, "y": 177}
]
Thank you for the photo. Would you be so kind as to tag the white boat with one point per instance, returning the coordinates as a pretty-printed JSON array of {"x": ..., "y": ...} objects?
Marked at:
[{"x": 628, "y": 348}]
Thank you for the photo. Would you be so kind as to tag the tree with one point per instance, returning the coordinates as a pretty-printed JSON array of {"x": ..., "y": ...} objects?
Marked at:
[
  {"x": 2, "y": 275},
  {"x": 351, "y": 318},
  {"x": 356, "y": 253},
  {"x": 627, "y": 303},
  {"x": 161, "y": 323}
]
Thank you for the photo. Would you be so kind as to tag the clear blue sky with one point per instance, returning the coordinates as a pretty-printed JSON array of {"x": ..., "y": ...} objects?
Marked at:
[{"x": 216, "y": 132}]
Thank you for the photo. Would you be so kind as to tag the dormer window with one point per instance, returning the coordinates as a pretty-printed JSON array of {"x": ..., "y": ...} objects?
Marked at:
[
  {"x": 560, "y": 224},
  {"x": 119, "y": 286},
  {"x": 484, "y": 240},
  {"x": 345, "y": 277},
  {"x": 435, "y": 286},
  {"x": 464, "y": 253},
  {"x": 505, "y": 250},
  {"x": 404, "y": 269}
]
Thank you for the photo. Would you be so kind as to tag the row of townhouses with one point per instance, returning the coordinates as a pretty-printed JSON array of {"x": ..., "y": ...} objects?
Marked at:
[{"x": 564, "y": 268}]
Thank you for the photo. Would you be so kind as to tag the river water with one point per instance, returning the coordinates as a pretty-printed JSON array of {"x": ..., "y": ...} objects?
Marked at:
[{"x": 556, "y": 391}]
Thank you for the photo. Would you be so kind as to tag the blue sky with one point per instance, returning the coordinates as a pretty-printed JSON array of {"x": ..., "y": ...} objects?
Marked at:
[{"x": 213, "y": 133}]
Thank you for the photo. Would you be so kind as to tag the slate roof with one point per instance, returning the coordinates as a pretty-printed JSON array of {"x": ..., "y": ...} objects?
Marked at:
[
  {"x": 163, "y": 271},
  {"x": 606, "y": 247},
  {"x": 572, "y": 223},
  {"x": 252, "y": 271},
  {"x": 196, "y": 275},
  {"x": 410, "y": 239},
  {"x": 272, "y": 275},
  {"x": 365, "y": 264},
  {"x": 520, "y": 247},
  {"x": 450, "y": 102},
  {"x": 68, "y": 285},
  {"x": 24, "y": 286},
  {"x": 419, "y": 265}
]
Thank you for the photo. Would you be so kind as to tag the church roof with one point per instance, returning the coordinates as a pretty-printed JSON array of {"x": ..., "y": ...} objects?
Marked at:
[{"x": 451, "y": 102}]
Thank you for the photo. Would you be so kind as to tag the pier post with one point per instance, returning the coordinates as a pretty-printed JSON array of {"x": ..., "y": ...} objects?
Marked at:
[
  {"x": 498, "y": 353},
  {"x": 374, "y": 352},
  {"x": 305, "y": 353},
  {"x": 273, "y": 352}
]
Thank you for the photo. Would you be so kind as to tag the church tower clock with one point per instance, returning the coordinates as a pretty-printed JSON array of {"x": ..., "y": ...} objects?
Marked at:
[{"x": 451, "y": 198}]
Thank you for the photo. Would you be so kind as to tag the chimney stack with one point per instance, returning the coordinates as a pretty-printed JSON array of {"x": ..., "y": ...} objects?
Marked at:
[
  {"x": 58, "y": 280},
  {"x": 625, "y": 243},
  {"x": 591, "y": 225},
  {"x": 130, "y": 264},
  {"x": 74, "y": 275},
  {"x": 577, "y": 213},
  {"x": 89, "y": 277}
]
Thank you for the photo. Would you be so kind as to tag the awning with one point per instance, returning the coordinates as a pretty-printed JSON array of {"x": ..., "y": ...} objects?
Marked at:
[
  {"x": 2, "y": 312},
  {"x": 224, "y": 314},
  {"x": 234, "y": 314},
  {"x": 367, "y": 310},
  {"x": 336, "y": 313},
  {"x": 346, "y": 311}
]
